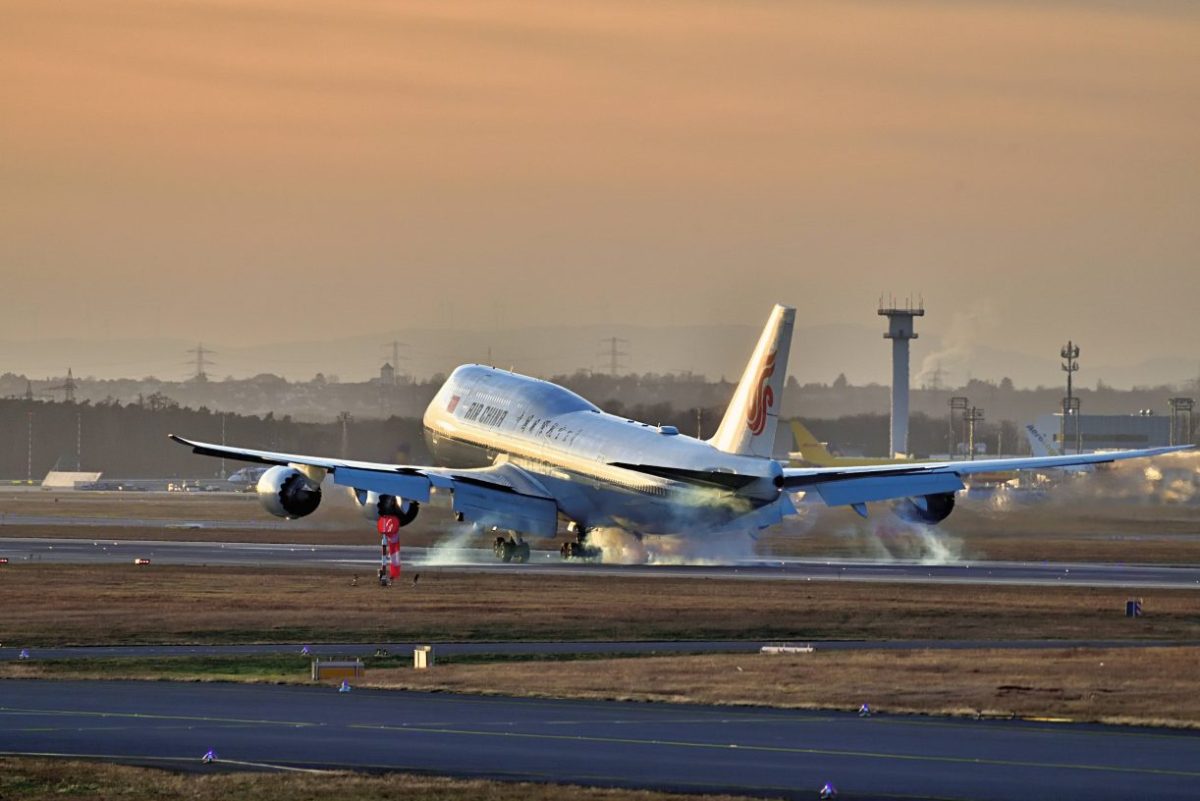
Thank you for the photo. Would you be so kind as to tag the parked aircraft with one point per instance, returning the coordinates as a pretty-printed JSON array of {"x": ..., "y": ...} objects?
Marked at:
[
  {"x": 811, "y": 452},
  {"x": 520, "y": 455}
]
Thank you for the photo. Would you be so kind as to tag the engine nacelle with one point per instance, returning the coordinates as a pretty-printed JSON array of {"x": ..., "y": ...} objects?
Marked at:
[
  {"x": 928, "y": 509},
  {"x": 375, "y": 506},
  {"x": 286, "y": 492}
]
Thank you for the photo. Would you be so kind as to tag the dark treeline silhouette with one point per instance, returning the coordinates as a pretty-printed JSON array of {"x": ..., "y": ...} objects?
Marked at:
[
  {"x": 130, "y": 441},
  {"x": 322, "y": 400}
]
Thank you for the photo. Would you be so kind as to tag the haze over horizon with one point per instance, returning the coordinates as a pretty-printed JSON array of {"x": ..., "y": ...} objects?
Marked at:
[{"x": 263, "y": 171}]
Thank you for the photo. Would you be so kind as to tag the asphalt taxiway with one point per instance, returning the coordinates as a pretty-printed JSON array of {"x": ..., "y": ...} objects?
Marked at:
[
  {"x": 366, "y": 558},
  {"x": 676, "y": 747}
]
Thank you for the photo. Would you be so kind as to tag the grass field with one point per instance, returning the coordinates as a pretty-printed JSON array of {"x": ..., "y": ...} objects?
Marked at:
[
  {"x": 45, "y": 779},
  {"x": 112, "y": 604}
]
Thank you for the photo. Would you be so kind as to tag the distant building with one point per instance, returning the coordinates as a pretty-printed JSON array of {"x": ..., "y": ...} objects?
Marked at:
[
  {"x": 1104, "y": 432},
  {"x": 387, "y": 375}
]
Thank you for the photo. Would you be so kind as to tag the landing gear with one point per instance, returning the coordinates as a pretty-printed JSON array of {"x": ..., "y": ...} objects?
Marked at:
[
  {"x": 579, "y": 550},
  {"x": 511, "y": 549}
]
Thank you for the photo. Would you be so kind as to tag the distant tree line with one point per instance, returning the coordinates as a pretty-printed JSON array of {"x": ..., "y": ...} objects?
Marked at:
[{"x": 130, "y": 441}]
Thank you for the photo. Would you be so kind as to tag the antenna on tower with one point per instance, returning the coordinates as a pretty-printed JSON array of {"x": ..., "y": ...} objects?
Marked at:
[{"x": 202, "y": 361}]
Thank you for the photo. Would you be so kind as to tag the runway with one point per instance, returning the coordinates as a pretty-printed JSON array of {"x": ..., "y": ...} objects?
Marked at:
[
  {"x": 675, "y": 747},
  {"x": 366, "y": 558}
]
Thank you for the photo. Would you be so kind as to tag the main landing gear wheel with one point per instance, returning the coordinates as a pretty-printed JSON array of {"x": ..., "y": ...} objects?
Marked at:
[
  {"x": 580, "y": 551},
  {"x": 509, "y": 549}
]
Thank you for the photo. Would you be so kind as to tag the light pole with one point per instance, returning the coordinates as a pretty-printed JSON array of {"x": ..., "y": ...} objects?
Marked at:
[
  {"x": 972, "y": 416},
  {"x": 1070, "y": 353},
  {"x": 959, "y": 404}
]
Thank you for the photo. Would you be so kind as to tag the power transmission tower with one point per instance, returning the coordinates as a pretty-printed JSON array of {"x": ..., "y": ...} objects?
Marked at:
[
  {"x": 67, "y": 387},
  {"x": 614, "y": 355},
  {"x": 202, "y": 361},
  {"x": 396, "y": 345}
]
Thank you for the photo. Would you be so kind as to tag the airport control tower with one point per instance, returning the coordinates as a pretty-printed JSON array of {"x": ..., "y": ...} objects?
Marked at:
[{"x": 900, "y": 331}]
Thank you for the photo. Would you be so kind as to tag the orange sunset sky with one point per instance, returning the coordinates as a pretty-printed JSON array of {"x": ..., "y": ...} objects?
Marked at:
[{"x": 318, "y": 167}]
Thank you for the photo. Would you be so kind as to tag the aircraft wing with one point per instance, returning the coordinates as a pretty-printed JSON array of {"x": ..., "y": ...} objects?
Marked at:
[
  {"x": 503, "y": 495},
  {"x": 842, "y": 486}
]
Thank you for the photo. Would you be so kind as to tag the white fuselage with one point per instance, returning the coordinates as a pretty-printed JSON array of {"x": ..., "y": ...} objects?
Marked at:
[{"x": 603, "y": 470}]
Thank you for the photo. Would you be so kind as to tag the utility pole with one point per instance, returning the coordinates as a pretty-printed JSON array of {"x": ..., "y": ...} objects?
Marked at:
[
  {"x": 344, "y": 418},
  {"x": 1070, "y": 353},
  {"x": 972, "y": 416},
  {"x": 29, "y": 453},
  {"x": 222, "y": 442},
  {"x": 699, "y": 421},
  {"x": 78, "y": 441}
]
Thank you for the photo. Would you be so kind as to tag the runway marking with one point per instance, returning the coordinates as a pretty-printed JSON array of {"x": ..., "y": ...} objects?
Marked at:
[
  {"x": 140, "y": 758},
  {"x": 780, "y": 749},
  {"x": 145, "y": 716}
]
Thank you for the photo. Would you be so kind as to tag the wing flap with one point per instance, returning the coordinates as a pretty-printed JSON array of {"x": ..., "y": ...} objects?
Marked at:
[{"x": 487, "y": 506}]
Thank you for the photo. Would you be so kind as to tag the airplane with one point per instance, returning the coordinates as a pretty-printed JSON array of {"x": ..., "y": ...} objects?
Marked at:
[
  {"x": 811, "y": 452},
  {"x": 247, "y": 475},
  {"x": 518, "y": 455},
  {"x": 1038, "y": 445}
]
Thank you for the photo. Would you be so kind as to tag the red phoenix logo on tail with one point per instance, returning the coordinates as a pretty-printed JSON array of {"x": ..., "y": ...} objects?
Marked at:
[{"x": 764, "y": 398}]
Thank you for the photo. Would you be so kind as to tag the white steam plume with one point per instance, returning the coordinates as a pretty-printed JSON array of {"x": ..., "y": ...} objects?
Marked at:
[
  {"x": 965, "y": 331},
  {"x": 888, "y": 537},
  {"x": 451, "y": 549}
]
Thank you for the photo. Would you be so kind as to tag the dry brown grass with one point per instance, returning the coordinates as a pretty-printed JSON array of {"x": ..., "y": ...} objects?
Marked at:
[
  {"x": 1152, "y": 686},
  {"x": 46, "y": 604},
  {"x": 44, "y": 779}
]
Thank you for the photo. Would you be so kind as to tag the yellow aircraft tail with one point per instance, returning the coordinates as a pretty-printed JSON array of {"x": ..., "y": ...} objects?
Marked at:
[{"x": 811, "y": 449}]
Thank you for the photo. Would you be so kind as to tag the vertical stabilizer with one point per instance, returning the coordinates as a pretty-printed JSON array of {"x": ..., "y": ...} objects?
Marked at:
[
  {"x": 1038, "y": 444},
  {"x": 809, "y": 448},
  {"x": 748, "y": 428}
]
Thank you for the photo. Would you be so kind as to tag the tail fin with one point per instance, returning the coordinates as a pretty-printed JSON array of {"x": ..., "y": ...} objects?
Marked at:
[
  {"x": 748, "y": 427},
  {"x": 1038, "y": 444},
  {"x": 809, "y": 448}
]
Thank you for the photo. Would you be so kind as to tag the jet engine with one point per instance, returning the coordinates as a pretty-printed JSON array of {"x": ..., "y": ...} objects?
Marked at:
[
  {"x": 928, "y": 509},
  {"x": 286, "y": 492},
  {"x": 375, "y": 505}
]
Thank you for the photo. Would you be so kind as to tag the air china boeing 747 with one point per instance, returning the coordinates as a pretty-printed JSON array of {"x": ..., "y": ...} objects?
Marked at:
[{"x": 519, "y": 455}]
